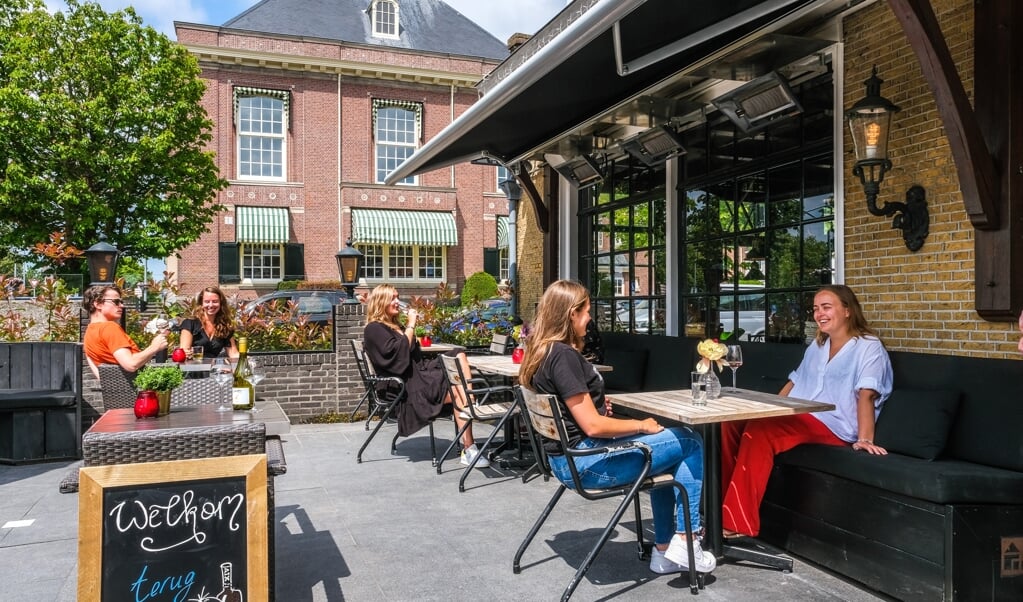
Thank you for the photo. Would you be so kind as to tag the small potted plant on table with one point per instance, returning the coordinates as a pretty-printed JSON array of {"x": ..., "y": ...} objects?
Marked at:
[{"x": 161, "y": 380}]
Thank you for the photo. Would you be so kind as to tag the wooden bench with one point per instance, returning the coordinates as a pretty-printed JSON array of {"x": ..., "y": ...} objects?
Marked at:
[
  {"x": 40, "y": 401},
  {"x": 938, "y": 518}
]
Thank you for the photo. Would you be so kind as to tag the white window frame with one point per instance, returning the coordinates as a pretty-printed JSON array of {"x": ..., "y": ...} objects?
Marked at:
[
  {"x": 389, "y": 263},
  {"x": 261, "y": 251},
  {"x": 381, "y": 119},
  {"x": 502, "y": 263},
  {"x": 276, "y": 97},
  {"x": 502, "y": 175},
  {"x": 384, "y": 15}
]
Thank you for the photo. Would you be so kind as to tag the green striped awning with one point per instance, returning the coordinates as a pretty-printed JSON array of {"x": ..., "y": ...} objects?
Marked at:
[
  {"x": 381, "y": 226},
  {"x": 261, "y": 225},
  {"x": 502, "y": 232}
]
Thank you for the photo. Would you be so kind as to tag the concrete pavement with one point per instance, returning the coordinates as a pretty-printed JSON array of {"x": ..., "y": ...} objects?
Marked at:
[{"x": 392, "y": 529}]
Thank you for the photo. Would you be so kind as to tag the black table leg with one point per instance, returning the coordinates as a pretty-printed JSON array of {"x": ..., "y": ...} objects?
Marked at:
[{"x": 712, "y": 486}]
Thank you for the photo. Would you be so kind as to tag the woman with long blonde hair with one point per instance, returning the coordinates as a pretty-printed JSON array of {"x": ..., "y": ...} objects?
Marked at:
[
  {"x": 846, "y": 365},
  {"x": 553, "y": 364},
  {"x": 394, "y": 351}
]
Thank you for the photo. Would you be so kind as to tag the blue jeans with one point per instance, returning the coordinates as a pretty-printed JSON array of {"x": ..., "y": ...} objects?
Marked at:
[{"x": 676, "y": 450}]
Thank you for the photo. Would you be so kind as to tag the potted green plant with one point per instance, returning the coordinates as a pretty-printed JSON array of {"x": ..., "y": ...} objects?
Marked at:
[{"x": 162, "y": 380}]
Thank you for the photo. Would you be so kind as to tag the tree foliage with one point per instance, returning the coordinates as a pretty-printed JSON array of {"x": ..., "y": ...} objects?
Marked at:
[{"x": 101, "y": 131}]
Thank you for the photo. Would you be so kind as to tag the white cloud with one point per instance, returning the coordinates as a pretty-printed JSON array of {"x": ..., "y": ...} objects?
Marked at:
[{"x": 505, "y": 18}]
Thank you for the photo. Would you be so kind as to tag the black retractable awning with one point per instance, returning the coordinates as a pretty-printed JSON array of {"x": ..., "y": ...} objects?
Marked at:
[{"x": 575, "y": 77}]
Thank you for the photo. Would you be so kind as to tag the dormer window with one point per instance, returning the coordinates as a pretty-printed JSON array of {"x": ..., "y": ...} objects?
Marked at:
[{"x": 384, "y": 14}]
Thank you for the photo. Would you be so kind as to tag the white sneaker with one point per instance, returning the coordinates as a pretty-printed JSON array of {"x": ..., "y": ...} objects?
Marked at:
[
  {"x": 471, "y": 452},
  {"x": 678, "y": 554},
  {"x": 661, "y": 565}
]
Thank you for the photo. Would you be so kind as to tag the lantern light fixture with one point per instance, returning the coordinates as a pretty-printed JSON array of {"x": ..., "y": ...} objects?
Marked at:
[
  {"x": 349, "y": 266},
  {"x": 870, "y": 125},
  {"x": 102, "y": 259}
]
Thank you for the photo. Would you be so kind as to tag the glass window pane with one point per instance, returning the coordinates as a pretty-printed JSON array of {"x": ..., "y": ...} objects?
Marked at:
[
  {"x": 785, "y": 187},
  {"x": 783, "y": 263}
]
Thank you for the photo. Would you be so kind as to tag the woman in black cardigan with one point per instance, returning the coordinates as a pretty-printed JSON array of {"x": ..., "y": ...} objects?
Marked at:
[{"x": 395, "y": 351}]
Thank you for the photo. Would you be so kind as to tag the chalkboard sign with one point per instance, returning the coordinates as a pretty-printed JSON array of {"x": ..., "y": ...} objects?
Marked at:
[{"x": 174, "y": 531}]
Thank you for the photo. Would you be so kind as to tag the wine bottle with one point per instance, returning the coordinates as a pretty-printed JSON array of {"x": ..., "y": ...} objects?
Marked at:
[
  {"x": 243, "y": 394},
  {"x": 229, "y": 593}
]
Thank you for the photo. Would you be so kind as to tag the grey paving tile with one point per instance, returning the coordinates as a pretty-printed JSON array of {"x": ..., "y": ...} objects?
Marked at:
[{"x": 392, "y": 529}]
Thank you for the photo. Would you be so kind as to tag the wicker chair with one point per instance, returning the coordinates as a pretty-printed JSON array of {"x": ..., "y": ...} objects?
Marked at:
[
  {"x": 117, "y": 387},
  {"x": 198, "y": 391},
  {"x": 101, "y": 449}
]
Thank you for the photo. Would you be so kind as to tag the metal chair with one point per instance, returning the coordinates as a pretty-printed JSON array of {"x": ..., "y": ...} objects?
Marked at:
[
  {"x": 383, "y": 394},
  {"x": 500, "y": 344},
  {"x": 546, "y": 417},
  {"x": 480, "y": 407},
  {"x": 117, "y": 387}
]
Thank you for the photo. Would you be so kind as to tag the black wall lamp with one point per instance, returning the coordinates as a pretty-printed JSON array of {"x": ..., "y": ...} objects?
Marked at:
[{"x": 870, "y": 123}]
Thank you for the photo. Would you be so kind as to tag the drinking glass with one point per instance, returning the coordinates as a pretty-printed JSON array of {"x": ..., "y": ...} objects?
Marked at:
[
  {"x": 699, "y": 384},
  {"x": 222, "y": 372},
  {"x": 197, "y": 352},
  {"x": 733, "y": 357}
]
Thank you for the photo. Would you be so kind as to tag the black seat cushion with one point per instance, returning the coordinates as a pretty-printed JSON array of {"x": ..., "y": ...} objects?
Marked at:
[
  {"x": 31, "y": 399},
  {"x": 916, "y": 422},
  {"x": 942, "y": 481}
]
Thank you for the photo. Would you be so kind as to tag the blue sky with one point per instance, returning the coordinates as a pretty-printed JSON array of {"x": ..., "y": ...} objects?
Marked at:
[{"x": 500, "y": 17}]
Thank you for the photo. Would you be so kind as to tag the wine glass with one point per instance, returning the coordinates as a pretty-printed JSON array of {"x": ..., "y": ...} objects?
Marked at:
[
  {"x": 255, "y": 375},
  {"x": 256, "y": 371},
  {"x": 223, "y": 374},
  {"x": 733, "y": 357}
]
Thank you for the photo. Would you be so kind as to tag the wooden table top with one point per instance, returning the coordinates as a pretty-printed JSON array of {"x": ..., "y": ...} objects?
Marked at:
[
  {"x": 124, "y": 420},
  {"x": 203, "y": 366},
  {"x": 504, "y": 366},
  {"x": 438, "y": 348},
  {"x": 743, "y": 404}
]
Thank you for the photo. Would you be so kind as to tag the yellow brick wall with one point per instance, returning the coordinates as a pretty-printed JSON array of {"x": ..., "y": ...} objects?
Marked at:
[
  {"x": 530, "y": 244},
  {"x": 921, "y": 301}
]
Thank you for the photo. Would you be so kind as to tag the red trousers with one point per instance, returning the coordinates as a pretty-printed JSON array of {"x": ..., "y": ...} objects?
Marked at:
[{"x": 747, "y": 455}]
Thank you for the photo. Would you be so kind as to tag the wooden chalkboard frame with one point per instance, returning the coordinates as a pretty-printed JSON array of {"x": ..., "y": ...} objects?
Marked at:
[{"x": 94, "y": 479}]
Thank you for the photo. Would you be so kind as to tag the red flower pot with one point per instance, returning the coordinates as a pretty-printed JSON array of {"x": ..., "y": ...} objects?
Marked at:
[{"x": 147, "y": 405}]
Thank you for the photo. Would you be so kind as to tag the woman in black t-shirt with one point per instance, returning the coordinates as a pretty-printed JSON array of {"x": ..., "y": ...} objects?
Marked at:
[
  {"x": 553, "y": 364},
  {"x": 212, "y": 326},
  {"x": 393, "y": 350}
]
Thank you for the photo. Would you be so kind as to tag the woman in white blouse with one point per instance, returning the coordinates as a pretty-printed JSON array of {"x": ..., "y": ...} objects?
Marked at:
[{"x": 846, "y": 365}]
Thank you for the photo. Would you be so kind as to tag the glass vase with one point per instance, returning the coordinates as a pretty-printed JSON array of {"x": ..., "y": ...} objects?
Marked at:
[{"x": 713, "y": 384}]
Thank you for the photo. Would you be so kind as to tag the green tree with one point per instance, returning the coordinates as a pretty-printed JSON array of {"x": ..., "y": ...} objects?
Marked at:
[{"x": 101, "y": 131}]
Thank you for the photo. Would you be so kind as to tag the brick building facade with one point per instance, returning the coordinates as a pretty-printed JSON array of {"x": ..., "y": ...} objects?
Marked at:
[
  {"x": 921, "y": 301},
  {"x": 308, "y": 108}
]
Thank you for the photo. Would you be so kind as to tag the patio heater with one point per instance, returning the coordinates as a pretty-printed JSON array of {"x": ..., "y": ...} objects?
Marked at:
[{"x": 349, "y": 265}]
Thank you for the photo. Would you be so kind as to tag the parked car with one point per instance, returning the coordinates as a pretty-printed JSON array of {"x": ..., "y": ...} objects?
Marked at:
[
  {"x": 317, "y": 305},
  {"x": 752, "y": 314}
]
